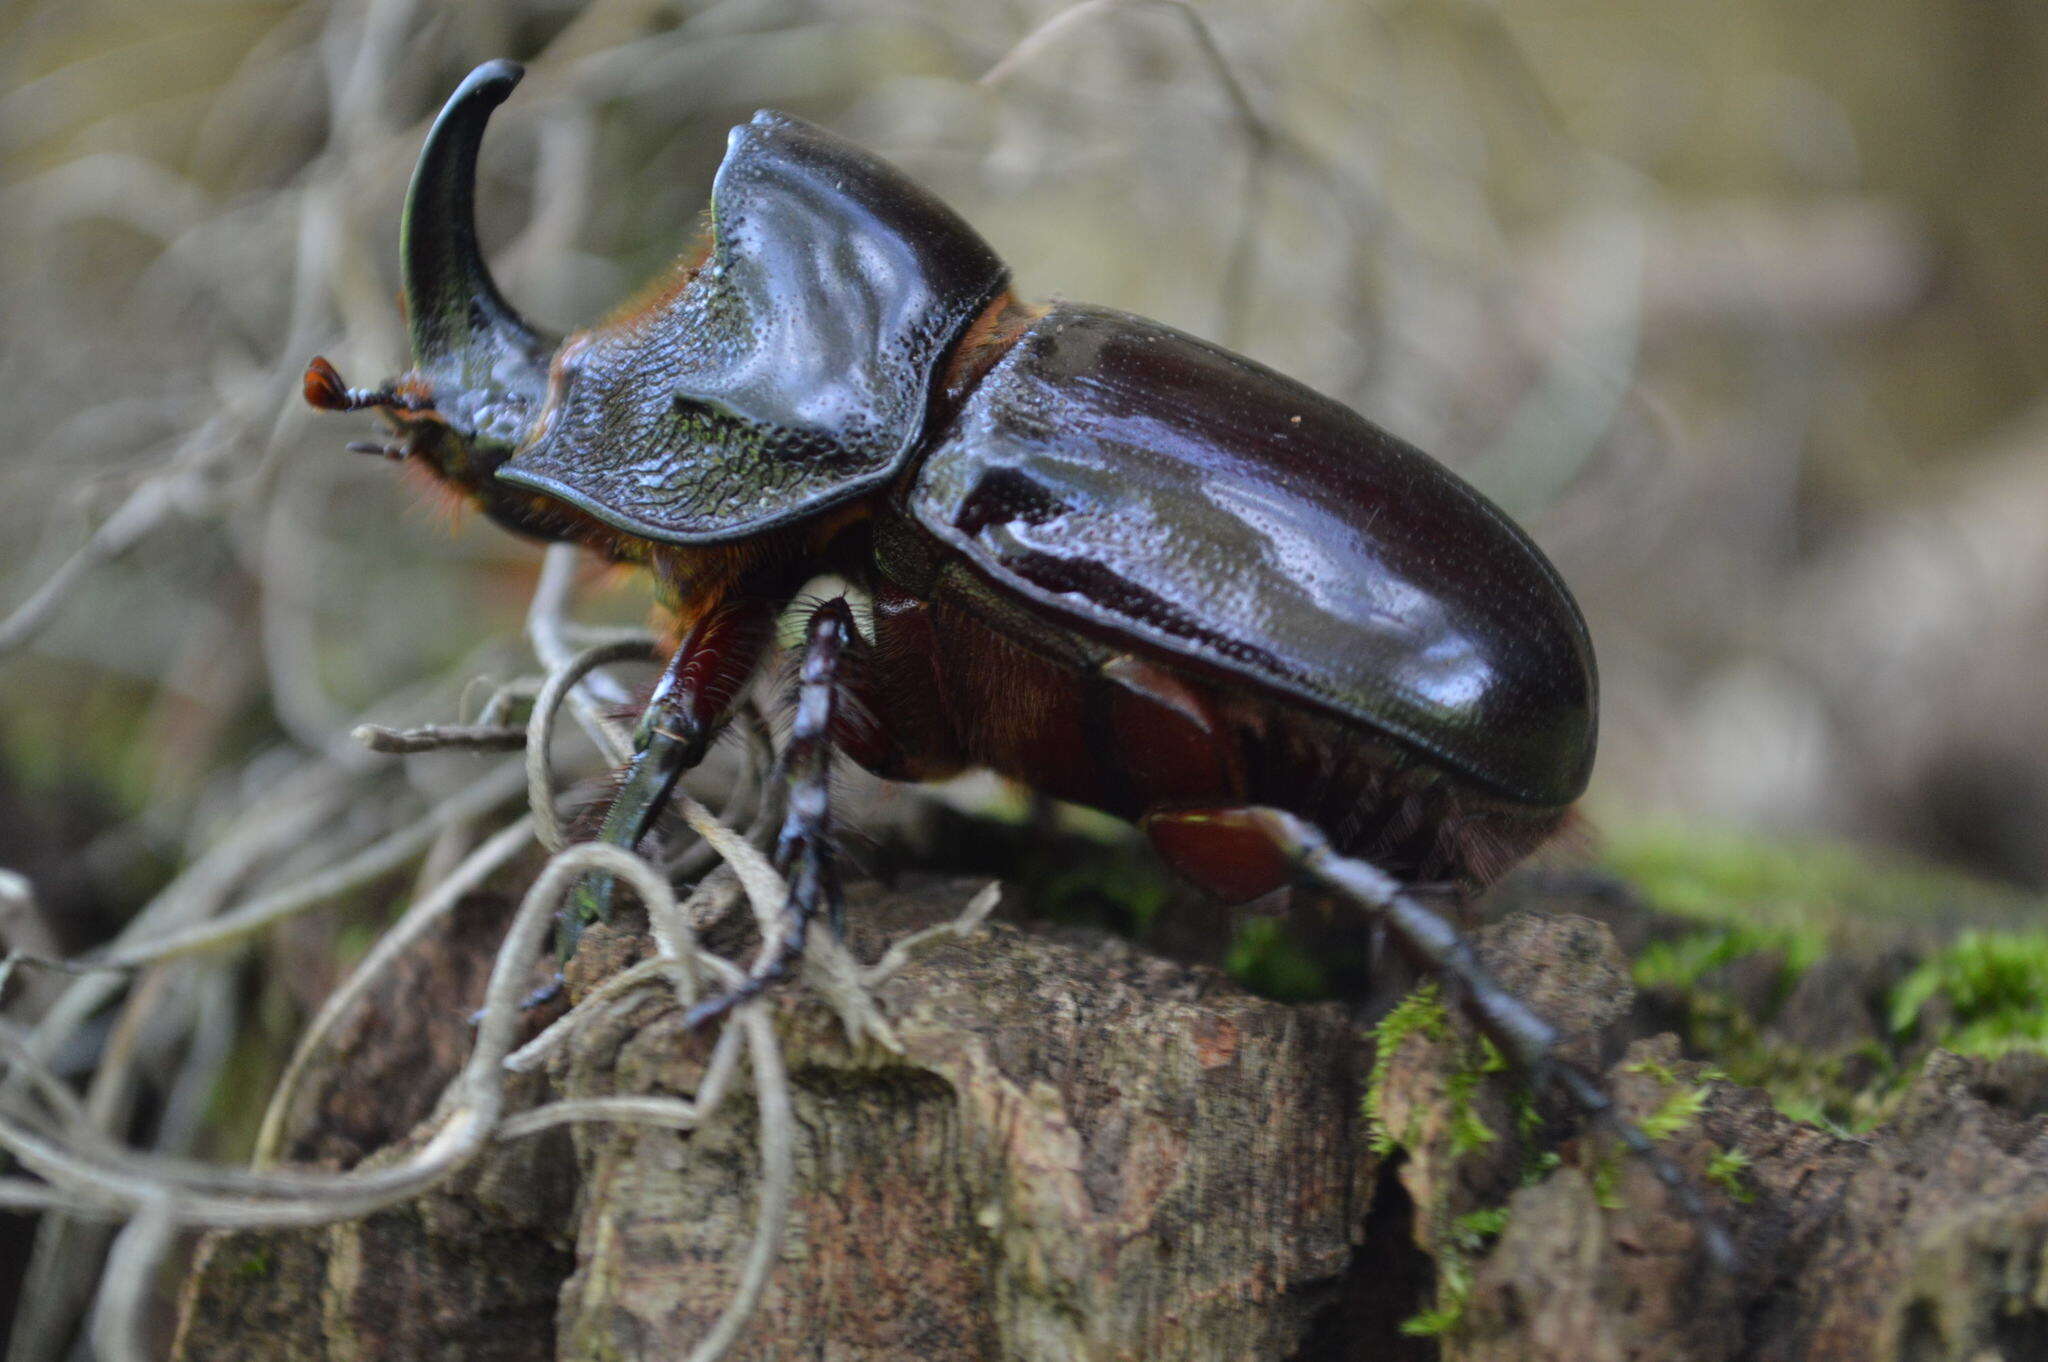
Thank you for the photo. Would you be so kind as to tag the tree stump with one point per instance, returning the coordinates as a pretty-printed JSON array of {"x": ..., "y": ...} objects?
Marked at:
[{"x": 1085, "y": 1152}]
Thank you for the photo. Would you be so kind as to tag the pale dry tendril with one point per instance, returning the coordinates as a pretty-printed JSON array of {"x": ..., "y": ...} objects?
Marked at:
[{"x": 87, "y": 1173}]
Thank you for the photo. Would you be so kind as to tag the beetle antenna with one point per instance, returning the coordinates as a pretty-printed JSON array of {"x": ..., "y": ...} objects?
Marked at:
[{"x": 325, "y": 389}]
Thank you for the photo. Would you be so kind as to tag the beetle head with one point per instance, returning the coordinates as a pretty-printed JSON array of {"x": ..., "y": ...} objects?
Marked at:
[{"x": 480, "y": 372}]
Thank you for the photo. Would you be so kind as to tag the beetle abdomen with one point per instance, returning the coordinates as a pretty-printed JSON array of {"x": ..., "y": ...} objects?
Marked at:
[
  {"x": 791, "y": 373},
  {"x": 1132, "y": 477}
]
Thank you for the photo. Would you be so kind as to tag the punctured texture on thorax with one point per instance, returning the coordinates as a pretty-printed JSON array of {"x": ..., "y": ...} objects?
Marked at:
[{"x": 792, "y": 372}]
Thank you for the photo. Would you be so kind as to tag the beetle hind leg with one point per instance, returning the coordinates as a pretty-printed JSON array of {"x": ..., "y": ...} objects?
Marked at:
[
  {"x": 803, "y": 849},
  {"x": 1257, "y": 844}
]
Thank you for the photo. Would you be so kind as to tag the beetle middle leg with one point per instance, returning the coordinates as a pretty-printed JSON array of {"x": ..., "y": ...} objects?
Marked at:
[
  {"x": 1234, "y": 850},
  {"x": 803, "y": 849}
]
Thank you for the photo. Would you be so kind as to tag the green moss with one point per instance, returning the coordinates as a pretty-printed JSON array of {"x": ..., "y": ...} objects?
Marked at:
[
  {"x": 1852, "y": 1089},
  {"x": 1848, "y": 1090},
  {"x": 1463, "y": 1240},
  {"x": 258, "y": 1263},
  {"x": 1994, "y": 983},
  {"x": 1681, "y": 1107},
  {"x": 1439, "y": 1320},
  {"x": 1444, "y": 1317},
  {"x": 1725, "y": 1170},
  {"x": 1113, "y": 887},
  {"x": 1468, "y": 1131},
  {"x": 1458, "y": 1239},
  {"x": 1796, "y": 901},
  {"x": 1265, "y": 958},
  {"x": 1537, "y": 1163},
  {"x": 1653, "y": 1068},
  {"x": 1819, "y": 1110},
  {"x": 1733, "y": 878},
  {"x": 1421, "y": 1013},
  {"x": 1605, "y": 1175},
  {"x": 1475, "y": 1229},
  {"x": 1683, "y": 962}
]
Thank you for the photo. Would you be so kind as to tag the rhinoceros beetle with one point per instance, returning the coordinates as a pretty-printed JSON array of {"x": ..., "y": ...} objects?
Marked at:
[{"x": 1121, "y": 565}]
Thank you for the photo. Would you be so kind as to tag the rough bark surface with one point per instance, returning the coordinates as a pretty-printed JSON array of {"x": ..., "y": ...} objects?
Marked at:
[{"x": 1085, "y": 1152}]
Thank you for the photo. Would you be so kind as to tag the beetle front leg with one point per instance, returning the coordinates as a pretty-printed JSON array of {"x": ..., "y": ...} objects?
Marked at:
[
  {"x": 1254, "y": 845},
  {"x": 803, "y": 850},
  {"x": 696, "y": 688}
]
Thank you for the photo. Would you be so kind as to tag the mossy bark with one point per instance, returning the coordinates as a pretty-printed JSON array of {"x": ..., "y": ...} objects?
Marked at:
[{"x": 1085, "y": 1152}]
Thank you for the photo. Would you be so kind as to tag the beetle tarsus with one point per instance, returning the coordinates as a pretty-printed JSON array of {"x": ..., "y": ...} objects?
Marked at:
[
  {"x": 540, "y": 997},
  {"x": 817, "y": 885},
  {"x": 805, "y": 841},
  {"x": 1587, "y": 1095},
  {"x": 770, "y": 972}
]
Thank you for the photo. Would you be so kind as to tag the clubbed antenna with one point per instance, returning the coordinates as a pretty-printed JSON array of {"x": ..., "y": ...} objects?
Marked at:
[{"x": 325, "y": 389}]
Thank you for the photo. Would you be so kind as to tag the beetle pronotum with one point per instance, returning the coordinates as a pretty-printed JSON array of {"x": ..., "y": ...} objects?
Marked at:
[{"x": 1121, "y": 565}]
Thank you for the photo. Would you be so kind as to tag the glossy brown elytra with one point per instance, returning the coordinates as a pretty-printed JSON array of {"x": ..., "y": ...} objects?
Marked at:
[{"x": 1121, "y": 565}]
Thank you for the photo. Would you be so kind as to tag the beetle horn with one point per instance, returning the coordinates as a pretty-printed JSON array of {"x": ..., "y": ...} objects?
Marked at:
[{"x": 454, "y": 307}]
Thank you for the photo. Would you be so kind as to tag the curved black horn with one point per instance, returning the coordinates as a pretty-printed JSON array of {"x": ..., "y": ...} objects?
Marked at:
[{"x": 455, "y": 309}]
